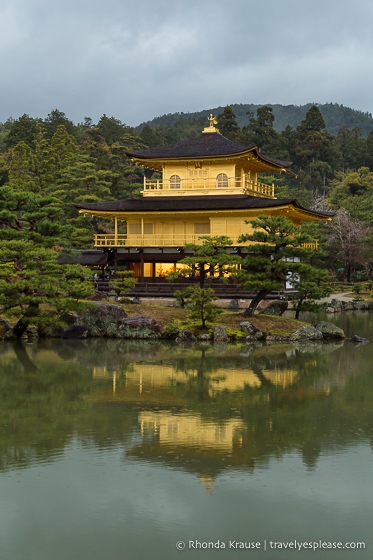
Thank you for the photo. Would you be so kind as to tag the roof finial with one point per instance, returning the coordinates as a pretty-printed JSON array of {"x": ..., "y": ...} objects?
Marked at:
[{"x": 212, "y": 127}]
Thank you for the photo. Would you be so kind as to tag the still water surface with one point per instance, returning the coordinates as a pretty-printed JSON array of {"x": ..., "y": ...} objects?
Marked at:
[{"x": 118, "y": 450}]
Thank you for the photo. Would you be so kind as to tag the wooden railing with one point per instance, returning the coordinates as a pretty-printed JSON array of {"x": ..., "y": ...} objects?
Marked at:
[
  {"x": 165, "y": 240},
  {"x": 231, "y": 183}
]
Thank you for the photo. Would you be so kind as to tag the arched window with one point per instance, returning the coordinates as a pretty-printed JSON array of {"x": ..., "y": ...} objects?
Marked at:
[
  {"x": 175, "y": 182},
  {"x": 222, "y": 179}
]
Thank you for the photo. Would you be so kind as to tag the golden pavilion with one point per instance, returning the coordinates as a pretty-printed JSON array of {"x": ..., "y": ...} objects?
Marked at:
[{"x": 207, "y": 186}]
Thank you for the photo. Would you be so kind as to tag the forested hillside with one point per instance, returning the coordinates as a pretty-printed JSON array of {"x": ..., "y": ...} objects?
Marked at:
[
  {"x": 48, "y": 164},
  {"x": 335, "y": 116}
]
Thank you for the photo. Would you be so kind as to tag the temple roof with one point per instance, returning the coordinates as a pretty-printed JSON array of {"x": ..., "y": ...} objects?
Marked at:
[
  {"x": 196, "y": 203},
  {"x": 206, "y": 145},
  {"x": 85, "y": 258}
]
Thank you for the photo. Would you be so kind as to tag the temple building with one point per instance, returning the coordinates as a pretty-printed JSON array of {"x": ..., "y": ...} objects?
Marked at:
[{"x": 206, "y": 186}]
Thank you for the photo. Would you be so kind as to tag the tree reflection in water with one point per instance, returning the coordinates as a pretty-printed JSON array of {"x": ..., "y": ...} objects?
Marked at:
[{"x": 202, "y": 409}]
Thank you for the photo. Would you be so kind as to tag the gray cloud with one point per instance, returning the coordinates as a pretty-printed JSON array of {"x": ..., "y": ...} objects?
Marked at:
[{"x": 137, "y": 60}]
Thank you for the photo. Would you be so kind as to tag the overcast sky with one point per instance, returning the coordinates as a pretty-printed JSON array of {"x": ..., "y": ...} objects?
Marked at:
[{"x": 139, "y": 59}]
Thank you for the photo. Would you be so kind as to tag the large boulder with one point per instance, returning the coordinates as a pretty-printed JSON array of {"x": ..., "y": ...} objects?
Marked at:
[
  {"x": 139, "y": 327},
  {"x": 234, "y": 305},
  {"x": 186, "y": 336},
  {"x": 361, "y": 305},
  {"x": 329, "y": 330},
  {"x": 251, "y": 331},
  {"x": 204, "y": 337},
  {"x": 103, "y": 319},
  {"x": 4, "y": 327},
  {"x": 75, "y": 331},
  {"x": 306, "y": 333},
  {"x": 32, "y": 332},
  {"x": 336, "y": 304},
  {"x": 220, "y": 334},
  {"x": 276, "y": 307}
]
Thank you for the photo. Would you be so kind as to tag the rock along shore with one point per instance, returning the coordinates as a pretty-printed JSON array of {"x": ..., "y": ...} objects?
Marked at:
[{"x": 106, "y": 320}]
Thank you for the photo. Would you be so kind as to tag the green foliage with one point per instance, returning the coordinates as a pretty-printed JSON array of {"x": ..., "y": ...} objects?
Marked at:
[
  {"x": 124, "y": 281},
  {"x": 275, "y": 253},
  {"x": 21, "y": 130},
  {"x": 209, "y": 257},
  {"x": 57, "y": 118},
  {"x": 181, "y": 297},
  {"x": 260, "y": 131},
  {"x": 111, "y": 129},
  {"x": 199, "y": 301},
  {"x": 311, "y": 284},
  {"x": 171, "y": 330},
  {"x": 334, "y": 116},
  {"x": 357, "y": 288},
  {"x": 34, "y": 286},
  {"x": 227, "y": 124}
]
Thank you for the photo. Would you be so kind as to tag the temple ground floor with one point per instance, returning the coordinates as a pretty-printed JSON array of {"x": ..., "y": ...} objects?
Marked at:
[{"x": 151, "y": 268}]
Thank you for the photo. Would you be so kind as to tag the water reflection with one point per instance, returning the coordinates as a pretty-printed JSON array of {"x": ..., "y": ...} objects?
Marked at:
[{"x": 199, "y": 409}]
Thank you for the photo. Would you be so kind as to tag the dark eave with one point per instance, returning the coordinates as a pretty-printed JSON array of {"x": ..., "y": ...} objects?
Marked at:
[
  {"x": 85, "y": 258},
  {"x": 206, "y": 145},
  {"x": 195, "y": 203}
]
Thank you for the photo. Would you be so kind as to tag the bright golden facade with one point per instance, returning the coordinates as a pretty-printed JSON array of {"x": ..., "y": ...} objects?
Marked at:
[{"x": 204, "y": 186}]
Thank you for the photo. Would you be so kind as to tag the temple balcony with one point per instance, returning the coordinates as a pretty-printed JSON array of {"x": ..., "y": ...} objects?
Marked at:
[
  {"x": 205, "y": 186},
  {"x": 164, "y": 240}
]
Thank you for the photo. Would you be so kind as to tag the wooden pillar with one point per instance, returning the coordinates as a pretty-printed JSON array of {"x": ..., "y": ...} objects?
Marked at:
[
  {"x": 116, "y": 231},
  {"x": 142, "y": 266}
]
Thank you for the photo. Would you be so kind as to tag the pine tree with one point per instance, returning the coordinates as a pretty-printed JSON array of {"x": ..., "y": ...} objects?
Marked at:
[
  {"x": 35, "y": 287},
  {"x": 275, "y": 253},
  {"x": 228, "y": 125},
  {"x": 208, "y": 258}
]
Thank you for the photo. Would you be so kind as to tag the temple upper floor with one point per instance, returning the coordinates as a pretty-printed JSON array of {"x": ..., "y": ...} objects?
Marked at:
[
  {"x": 208, "y": 164},
  {"x": 199, "y": 179}
]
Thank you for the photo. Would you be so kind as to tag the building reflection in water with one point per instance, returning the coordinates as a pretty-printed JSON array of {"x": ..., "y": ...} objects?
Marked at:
[{"x": 196, "y": 414}]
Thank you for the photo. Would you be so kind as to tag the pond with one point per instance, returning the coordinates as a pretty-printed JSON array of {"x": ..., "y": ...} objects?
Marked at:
[{"x": 114, "y": 449}]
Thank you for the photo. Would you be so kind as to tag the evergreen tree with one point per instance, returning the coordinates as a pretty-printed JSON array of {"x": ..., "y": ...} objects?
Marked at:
[
  {"x": 93, "y": 144},
  {"x": 127, "y": 177},
  {"x": 260, "y": 131},
  {"x": 64, "y": 147},
  {"x": 352, "y": 148},
  {"x": 311, "y": 285},
  {"x": 315, "y": 153},
  {"x": 151, "y": 137},
  {"x": 227, "y": 124},
  {"x": 21, "y": 166},
  {"x": 274, "y": 255},
  {"x": 207, "y": 259},
  {"x": 111, "y": 129},
  {"x": 56, "y": 118},
  {"x": 45, "y": 158},
  {"x": 22, "y": 130},
  {"x": 35, "y": 287},
  {"x": 199, "y": 301},
  {"x": 314, "y": 122}
]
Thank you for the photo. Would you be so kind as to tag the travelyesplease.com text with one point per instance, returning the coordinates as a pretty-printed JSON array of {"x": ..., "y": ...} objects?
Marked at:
[{"x": 270, "y": 545}]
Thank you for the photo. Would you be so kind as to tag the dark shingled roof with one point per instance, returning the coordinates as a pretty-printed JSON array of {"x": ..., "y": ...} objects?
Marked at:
[
  {"x": 207, "y": 144},
  {"x": 190, "y": 203},
  {"x": 85, "y": 258}
]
